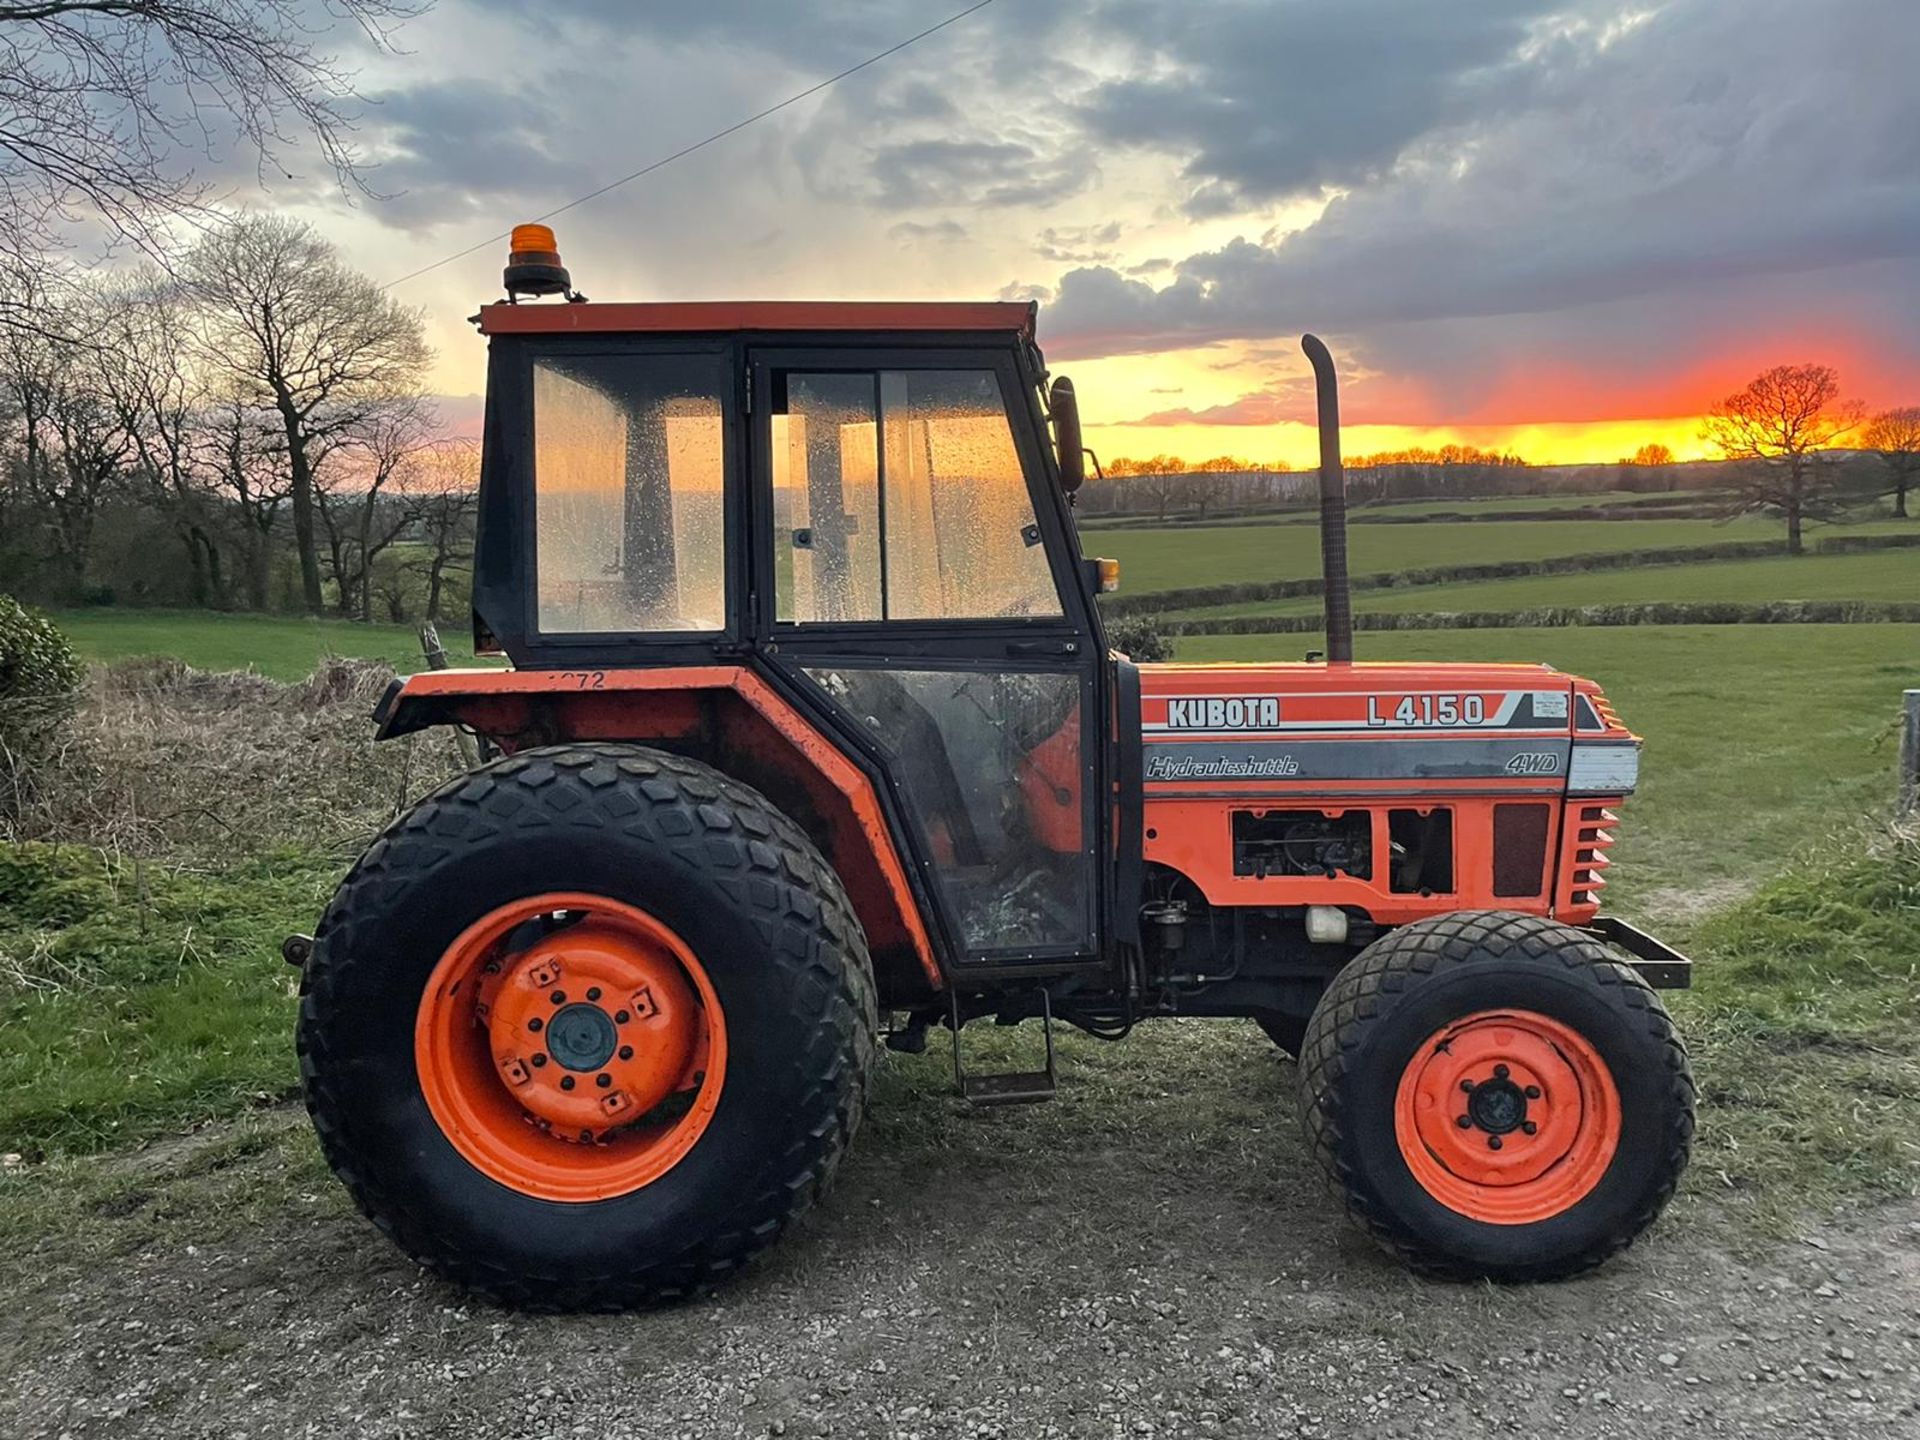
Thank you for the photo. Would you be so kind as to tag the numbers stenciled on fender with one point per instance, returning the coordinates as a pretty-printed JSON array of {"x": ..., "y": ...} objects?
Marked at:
[
  {"x": 584, "y": 679},
  {"x": 1436, "y": 711}
]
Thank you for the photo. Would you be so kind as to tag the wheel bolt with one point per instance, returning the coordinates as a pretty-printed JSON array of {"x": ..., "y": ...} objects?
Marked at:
[
  {"x": 1532, "y": 1092},
  {"x": 603, "y": 1080},
  {"x": 1500, "y": 1072},
  {"x": 1465, "y": 1122},
  {"x": 534, "y": 1024},
  {"x": 593, "y": 992},
  {"x": 1528, "y": 1126},
  {"x": 1493, "y": 1142},
  {"x": 558, "y": 997},
  {"x": 626, "y": 1052},
  {"x": 621, "y": 1017},
  {"x": 566, "y": 1082},
  {"x": 1466, "y": 1087},
  {"x": 539, "y": 1062}
]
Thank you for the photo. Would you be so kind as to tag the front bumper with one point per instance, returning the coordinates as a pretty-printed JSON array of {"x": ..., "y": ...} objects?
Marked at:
[{"x": 1658, "y": 963}]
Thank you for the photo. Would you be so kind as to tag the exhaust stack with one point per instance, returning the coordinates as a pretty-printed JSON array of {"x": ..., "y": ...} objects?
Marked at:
[{"x": 1337, "y": 591}]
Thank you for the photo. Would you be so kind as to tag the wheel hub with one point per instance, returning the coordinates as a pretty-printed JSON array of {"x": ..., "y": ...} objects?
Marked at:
[
  {"x": 1497, "y": 1106},
  {"x": 590, "y": 1030},
  {"x": 1507, "y": 1116},
  {"x": 582, "y": 1037}
]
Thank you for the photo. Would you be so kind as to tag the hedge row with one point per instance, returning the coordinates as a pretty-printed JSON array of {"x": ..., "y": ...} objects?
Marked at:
[
  {"x": 1678, "y": 506},
  {"x": 1710, "y": 612},
  {"x": 1247, "y": 591}
]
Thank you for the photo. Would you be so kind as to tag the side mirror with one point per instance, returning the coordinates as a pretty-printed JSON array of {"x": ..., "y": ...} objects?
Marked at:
[{"x": 1066, "y": 435}]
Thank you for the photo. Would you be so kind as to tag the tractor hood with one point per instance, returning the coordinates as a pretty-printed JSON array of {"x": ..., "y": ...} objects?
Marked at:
[{"x": 1395, "y": 727}]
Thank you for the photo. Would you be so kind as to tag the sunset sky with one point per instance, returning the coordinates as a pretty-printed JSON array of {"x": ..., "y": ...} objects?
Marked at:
[{"x": 1560, "y": 228}]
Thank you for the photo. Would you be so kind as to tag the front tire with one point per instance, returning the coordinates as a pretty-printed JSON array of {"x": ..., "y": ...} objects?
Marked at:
[
  {"x": 1495, "y": 1096},
  {"x": 587, "y": 1028}
]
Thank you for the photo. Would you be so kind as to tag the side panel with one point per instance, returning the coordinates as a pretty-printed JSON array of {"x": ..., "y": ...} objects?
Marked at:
[{"x": 1397, "y": 790}]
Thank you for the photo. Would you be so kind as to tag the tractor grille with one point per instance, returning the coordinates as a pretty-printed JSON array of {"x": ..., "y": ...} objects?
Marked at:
[{"x": 1590, "y": 858}]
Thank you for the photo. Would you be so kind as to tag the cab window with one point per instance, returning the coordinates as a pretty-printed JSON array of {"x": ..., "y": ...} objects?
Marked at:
[
  {"x": 629, "y": 488},
  {"x": 899, "y": 495}
]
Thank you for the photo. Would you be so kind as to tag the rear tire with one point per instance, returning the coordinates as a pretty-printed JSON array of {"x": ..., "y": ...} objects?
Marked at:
[
  {"x": 775, "y": 999},
  {"x": 1495, "y": 1096}
]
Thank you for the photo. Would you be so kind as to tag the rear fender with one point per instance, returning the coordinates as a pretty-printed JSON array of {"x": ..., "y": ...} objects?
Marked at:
[{"x": 729, "y": 717}]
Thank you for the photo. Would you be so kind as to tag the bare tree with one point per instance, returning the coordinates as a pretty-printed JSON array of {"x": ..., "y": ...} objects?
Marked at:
[
  {"x": 147, "y": 345},
  {"x": 443, "y": 485},
  {"x": 74, "y": 445},
  {"x": 316, "y": 342},
  {"x": 1895, "y": 435},
  {"x": 361, "y": 508},
  {"x": 240, "y": 446},
  {"x": 1776, "y": 428},
  {"x": 102, "y": 100}
]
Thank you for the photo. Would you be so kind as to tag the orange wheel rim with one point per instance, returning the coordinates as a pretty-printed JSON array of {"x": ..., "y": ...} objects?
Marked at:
[
  {"x": 571, "y": 1047},
  {"x": 1507, "y": 1116}
]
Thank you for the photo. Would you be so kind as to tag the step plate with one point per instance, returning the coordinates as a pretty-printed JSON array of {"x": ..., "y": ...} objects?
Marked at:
[{"x": 1014, "y": 1088}]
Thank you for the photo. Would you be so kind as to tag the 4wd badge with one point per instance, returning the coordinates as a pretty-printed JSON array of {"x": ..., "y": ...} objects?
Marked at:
[{"x": 1226, "y": 712}]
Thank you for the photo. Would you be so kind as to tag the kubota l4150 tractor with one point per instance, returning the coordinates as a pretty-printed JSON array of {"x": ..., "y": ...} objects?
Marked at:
[{"x": 812, "y": 719}]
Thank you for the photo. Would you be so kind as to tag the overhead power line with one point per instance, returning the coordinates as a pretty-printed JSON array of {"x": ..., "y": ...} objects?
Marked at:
[{"x": 716, "y": 136}]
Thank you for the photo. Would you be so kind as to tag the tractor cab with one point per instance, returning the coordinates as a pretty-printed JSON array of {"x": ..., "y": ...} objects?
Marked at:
[{"x": 862, "y": 503}]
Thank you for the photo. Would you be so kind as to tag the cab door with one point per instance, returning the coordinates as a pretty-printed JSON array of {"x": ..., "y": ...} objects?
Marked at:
[{"x": 915, "y": 575}]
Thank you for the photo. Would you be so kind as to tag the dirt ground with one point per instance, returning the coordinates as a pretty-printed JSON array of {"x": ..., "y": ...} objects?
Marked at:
[{"x": 1013, "y": 1274}]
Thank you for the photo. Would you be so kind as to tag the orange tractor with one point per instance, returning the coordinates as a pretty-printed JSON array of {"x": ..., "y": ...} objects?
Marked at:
[{"x": 812, "y": 720}]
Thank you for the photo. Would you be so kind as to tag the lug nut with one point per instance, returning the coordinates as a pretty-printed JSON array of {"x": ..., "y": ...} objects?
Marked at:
[
  {"x": 566, "y": 1082},
  {"x": 558, "y": 997},
  {"x": 621, "y": 1017},
  {"x": 534, "y": 1024},
  {"x": 626, "y": 1052},
  {"x": 1532, "y": 1092},
  {"x": 1465, "y": 1122},
  {"x": 1493, "y": 1142},
  {"x": 1466, "y": 1087},
  {"x": 539, "y": 1061},
  {"x": 603, "y": 1080},
  {"x": 1500, "y": 1072},
  {"x": 1528, "y": 1126},
  {"x": 593, "y": 992}
]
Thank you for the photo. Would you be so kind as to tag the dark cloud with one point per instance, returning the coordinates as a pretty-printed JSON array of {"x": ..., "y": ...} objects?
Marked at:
[
  {"x": 1708, "y": 148},
  {"x": 449, "y": 150},
  {"x": 1268, "y": 101},
  {"x": 1623, "y": 182}
]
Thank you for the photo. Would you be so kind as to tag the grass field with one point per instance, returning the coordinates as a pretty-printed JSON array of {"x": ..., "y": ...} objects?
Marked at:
[
  {"x": 1762, "y": 740},
  {"x": 1871, "y": 575},
  {"x": 1178, "y": 558},
  {"x": 282, "y": 647},
  {"x": 135, "y": 1002}
]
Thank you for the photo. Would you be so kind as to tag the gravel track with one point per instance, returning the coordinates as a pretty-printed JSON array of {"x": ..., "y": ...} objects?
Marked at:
[{"x": 1108, "y": 1287}]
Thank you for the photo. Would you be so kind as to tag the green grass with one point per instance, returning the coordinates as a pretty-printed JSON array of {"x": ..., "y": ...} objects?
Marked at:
[
  {"x": 1869, "y": 575},
  {"x": 1805, "y": 1032},
  {"x": 1180, "y": 558},
  {"x": 137, "y": 1001},
  {"x": 283, "y": 647},
  {"x": 1761, "y": 739}
]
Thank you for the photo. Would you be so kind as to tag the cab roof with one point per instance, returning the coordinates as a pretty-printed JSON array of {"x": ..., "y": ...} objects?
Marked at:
[{"x": 699, "y": 317}]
